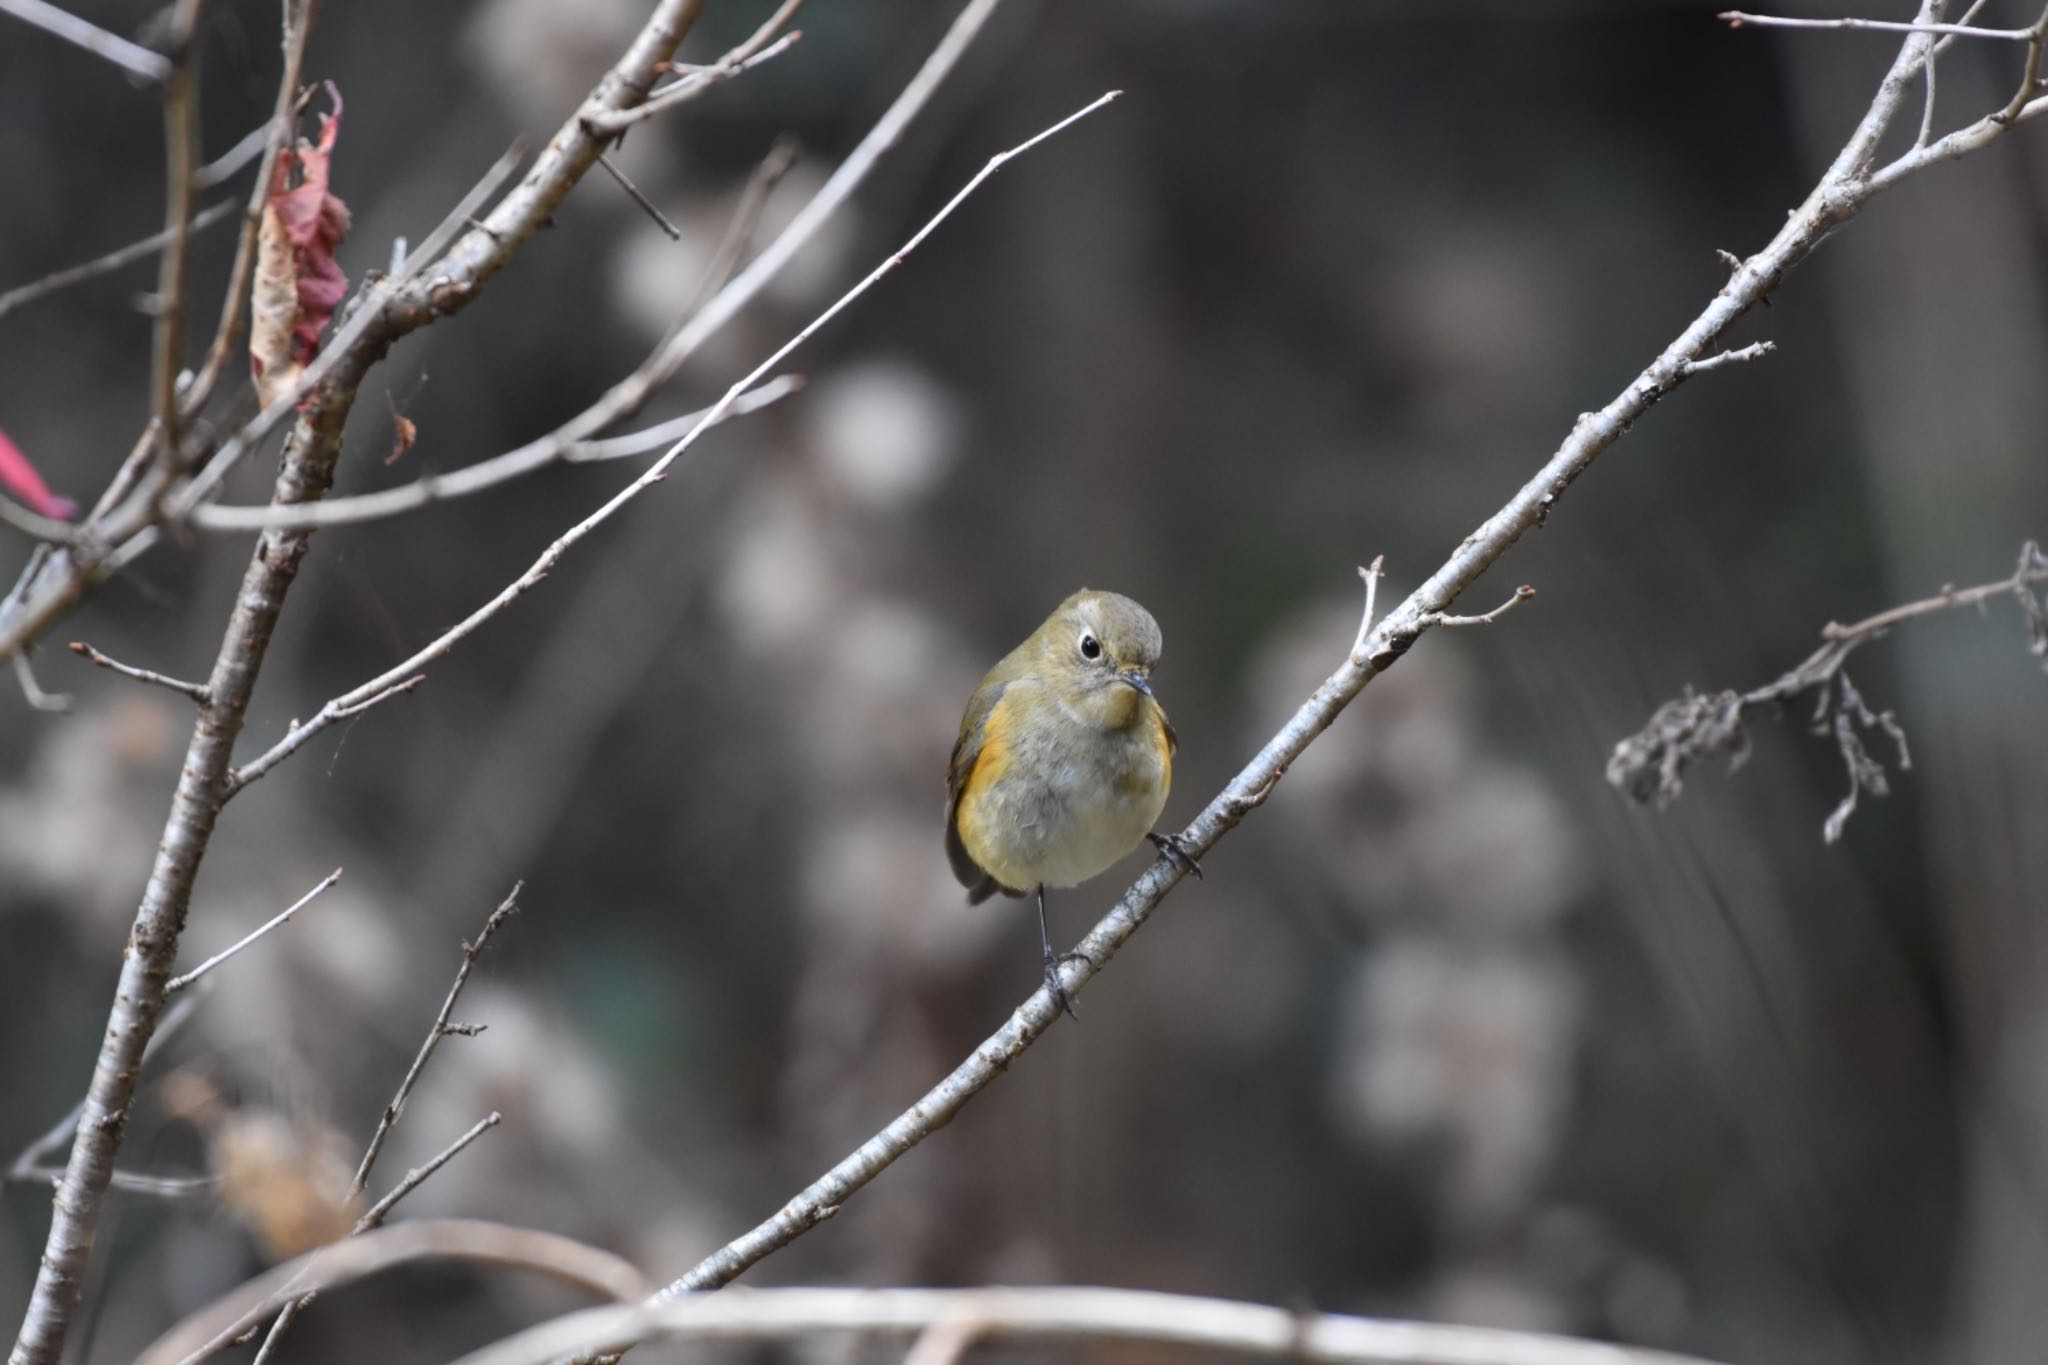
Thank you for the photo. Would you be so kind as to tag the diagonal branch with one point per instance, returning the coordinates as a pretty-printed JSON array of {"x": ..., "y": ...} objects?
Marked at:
[{"x": 1840, "y": 194}]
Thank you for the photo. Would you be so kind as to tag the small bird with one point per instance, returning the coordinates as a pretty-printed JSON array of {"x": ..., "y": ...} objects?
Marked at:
[{"x": 1063, "y": 761}]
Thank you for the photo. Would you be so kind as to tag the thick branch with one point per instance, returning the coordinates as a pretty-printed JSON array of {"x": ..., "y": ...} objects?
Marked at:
[{"x": 1054, "y": 1313}]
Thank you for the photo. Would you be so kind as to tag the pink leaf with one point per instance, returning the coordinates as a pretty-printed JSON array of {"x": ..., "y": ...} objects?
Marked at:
[
  {"x": 19, "y": 477},
  {"x": 298, "y": 282}
]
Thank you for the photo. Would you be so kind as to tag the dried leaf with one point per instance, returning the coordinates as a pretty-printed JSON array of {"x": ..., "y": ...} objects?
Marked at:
[
  {"x": 298, "y": 282},
  {"x": 19, "y": 477},
  {"x": 403, "y": 433}
]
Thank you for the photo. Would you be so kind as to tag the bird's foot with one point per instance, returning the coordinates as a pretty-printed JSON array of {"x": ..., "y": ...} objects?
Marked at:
[
  {"x": 1175, "y": 848},
  {"x": 1058, "y": 989}
]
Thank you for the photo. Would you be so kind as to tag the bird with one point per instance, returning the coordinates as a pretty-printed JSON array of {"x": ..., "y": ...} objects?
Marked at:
[{"x": 1063, "y": 762}]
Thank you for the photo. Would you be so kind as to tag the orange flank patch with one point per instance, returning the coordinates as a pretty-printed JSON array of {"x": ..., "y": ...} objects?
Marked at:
[{"x": 991, "y": 762}]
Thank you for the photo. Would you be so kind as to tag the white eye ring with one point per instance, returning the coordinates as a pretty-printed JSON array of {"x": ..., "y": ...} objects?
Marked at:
[{"x": 1091, "y": 648}]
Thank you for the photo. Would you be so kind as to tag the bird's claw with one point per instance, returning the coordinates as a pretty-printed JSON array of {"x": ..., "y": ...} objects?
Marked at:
[
  {"x": 1056, "y": 987},
  {"x": 1174, "y": 848}
]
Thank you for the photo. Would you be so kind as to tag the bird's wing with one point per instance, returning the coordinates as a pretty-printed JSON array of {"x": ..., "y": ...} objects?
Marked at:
[{"x": 966, "y": 753}]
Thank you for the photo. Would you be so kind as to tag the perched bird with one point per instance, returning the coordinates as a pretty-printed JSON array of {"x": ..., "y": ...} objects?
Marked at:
[{"x": 1063, "y": 761}]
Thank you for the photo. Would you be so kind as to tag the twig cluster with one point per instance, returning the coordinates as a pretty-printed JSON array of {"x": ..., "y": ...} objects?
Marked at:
[{"x": 1650, "y": 764}]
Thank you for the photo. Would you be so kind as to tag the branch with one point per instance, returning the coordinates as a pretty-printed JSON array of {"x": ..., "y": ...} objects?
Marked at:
[
  {"x": 306, "y": 472},
  {"x": 1650, "y": 765},
  {"x": 555, "y": 448},
  {"x": 357, "y": 1258},
  {"x": 419, "y": 1175},
  {"x": 1738, "y": 19},
  {"x": 186, "y": 979},
  {"x": 32, "y": 691},
  {"x": 194, "y": 691},
  {"x": 181, "y": 164},
  {"x": 134, "y": 59},
  {"x": 113, "y": 260},
  {"x": 1053, "y": 1313},
  {"x": 741, "y": 59},
  {"x": 381, "y": 685},
  {"x": 389, "y": 1118},
  {"x": 1839, "y": 195}
]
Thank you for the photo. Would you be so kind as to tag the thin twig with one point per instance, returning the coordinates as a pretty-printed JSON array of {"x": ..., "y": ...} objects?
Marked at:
[
  {"x": 419, "y": 1175},
  {"x": 471, "y": 479},
  {"x": 1738, "y": 19},
  {"x": 1650, "y": 765},
  {"x": 1371, "y": 574},
  {"x": 133, "y": 1182},
  {"x": 389, "y": 1118},
  {"x": 945, "y": 1342},
  {"x": 297, "y": 735},
  {"x": 748, "y": 55},
  {"x": 1066, "y": 1313},
  {"x": 60, "y": 1132},
  {"x": 225, "y": 165},
  {"x": 1714, "y": 362},
  {"x": 355, "y": 1258},
  {"x": 1438, "y": 618},
  {"x": 184, "y": 980},
  {"x": 628, "y": 444},
  {"x": 339, "y": 706},
  {"x": 633, "y": 192},
  {"x": 113, "y": 260},
  {"x": 130, "y": 57},
  {"x": 181, "y": 164},
  {"x": 196, "y": 691},
  {"x": 32, "y": 691}
]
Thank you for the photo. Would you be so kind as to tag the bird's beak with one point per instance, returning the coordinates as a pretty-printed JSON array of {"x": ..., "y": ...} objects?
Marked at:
[{"x": 1137, "y": 680}]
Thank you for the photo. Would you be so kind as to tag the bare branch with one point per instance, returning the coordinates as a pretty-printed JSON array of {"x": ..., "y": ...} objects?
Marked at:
[
  {"x": 296, "y": 737},
  {"x": 184, "y": 980},
  {"x": 1438, "y": 618},
  {"x": 195, "y": 691},
  {"x": 748, "y": 55},
  {"x": 633, "y": 192},
  {"x": 356, "y": 1258},
  {"x": 130, "y": 57},
  {"x": 1715, "y": 362},
  {"x": 389, "y": 1120},
  {"x": 1650, "y": 765},
  {"x": 113, "y": 260},
  {"x": 32, "y": 691},
  {"x": 1738, "y": 19},
  {"x": 1054, "y": 1313},
  {"x": 61, "y": 1131},
  {"x": 458, "y": 483},
  {"x": 1371, "y": 574},
  {"x": 419, "y": 1175},
  {"x": 181, "y": 164}
]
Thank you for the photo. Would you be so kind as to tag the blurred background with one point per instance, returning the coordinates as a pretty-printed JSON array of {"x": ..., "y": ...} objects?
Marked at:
[{"x": 1451, "y": 1030}]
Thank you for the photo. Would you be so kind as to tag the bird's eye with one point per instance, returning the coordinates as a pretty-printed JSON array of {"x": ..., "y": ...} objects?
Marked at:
[{"x": 1091, "y": 648}]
